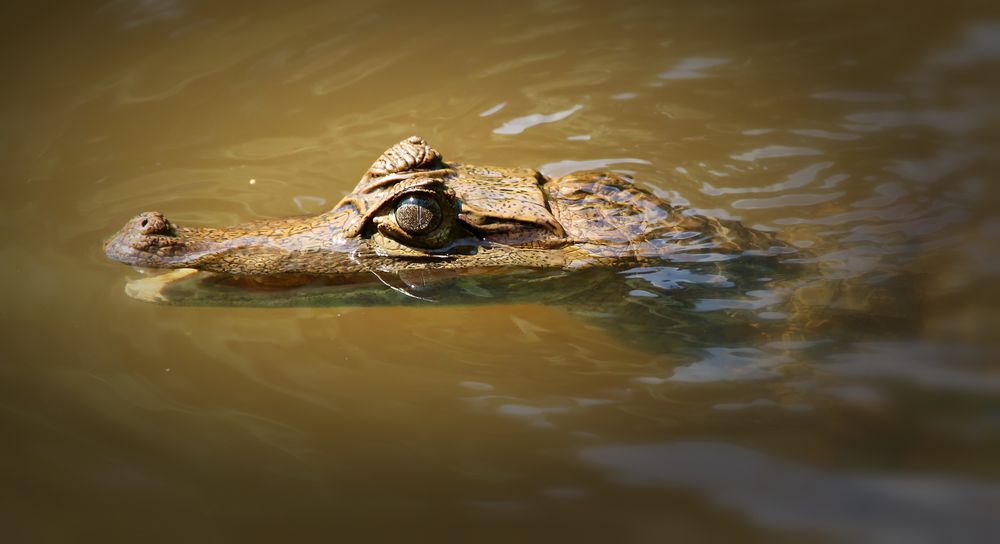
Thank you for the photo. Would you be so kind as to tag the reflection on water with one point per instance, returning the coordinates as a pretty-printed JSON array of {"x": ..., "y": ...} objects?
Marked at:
[
  {"x": 846, "y": 391},
  {"x": 520, "y": 124},
  {"x": 691, "y": 68},
  {"x": 782, "y": 494}
]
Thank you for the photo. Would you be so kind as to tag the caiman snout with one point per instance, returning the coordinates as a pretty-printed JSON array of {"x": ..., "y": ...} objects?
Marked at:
[
  {"x": 148, "y": 239},
  {"x": 153, "y": 223}
]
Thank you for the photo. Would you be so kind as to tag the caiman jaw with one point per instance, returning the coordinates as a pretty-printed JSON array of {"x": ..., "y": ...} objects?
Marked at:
[{"x": 262, "y": 248}]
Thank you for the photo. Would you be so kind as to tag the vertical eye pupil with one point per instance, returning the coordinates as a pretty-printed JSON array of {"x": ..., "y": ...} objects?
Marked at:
[{"x": 418, "y": 214}]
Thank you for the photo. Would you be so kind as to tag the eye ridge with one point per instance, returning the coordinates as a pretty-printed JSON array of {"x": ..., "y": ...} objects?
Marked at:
[{"x": 418, "y": 214}]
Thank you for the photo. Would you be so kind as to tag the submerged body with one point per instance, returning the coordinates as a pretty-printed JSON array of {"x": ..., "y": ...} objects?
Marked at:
[{"x": 413, "y": 211}]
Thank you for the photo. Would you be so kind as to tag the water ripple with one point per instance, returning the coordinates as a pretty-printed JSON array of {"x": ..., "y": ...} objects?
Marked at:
[
  {"x": 520, "y": 124},
  {"x": 561, "y": 168},
  {"x": 924, "y": 363},
  {"x": 858, "y": 96},
  {"x": 932, "y": 169},
  {"x": 490, "y": 111},
  {"x": 887, "y": 194},
  {"x": 271, "y": 148},
  {"x": 731, "y": 364},
  {"x": 826, "y": 134},
  {"x": 761, "y": 299},
  {"x": 773, "y": 151},
  {"x": 895, "y": 212},
  {"x": 308, "y": 203},
  {"x": 146, "y": 12},
  {"x": 769, "y": 490},
  {"x": 981, "y": 44},
  {"x": 783, "y": 201},
  {"x": 690, "y": 68},
  {"x": 795, "y": 180},
  {"x": 670, "y": 278},
  {"x": 956, "y": 122}
]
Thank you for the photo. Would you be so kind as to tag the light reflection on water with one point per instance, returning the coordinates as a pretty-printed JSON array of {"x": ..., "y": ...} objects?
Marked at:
[
  {"x": 848, "y": 392},
  {"x": 777, "y": 493}
]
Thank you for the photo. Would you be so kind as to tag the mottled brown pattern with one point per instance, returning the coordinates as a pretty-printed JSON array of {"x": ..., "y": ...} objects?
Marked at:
[{"x": 491, "y": 217}]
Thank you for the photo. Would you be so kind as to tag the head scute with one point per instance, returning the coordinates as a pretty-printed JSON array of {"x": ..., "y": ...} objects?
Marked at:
[
  {"x": 409, "y": 164},
  {"x": 412, "y": 153}
]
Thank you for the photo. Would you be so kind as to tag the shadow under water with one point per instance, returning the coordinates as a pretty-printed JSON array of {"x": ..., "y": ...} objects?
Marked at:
[{"x": 743, "y": 301}]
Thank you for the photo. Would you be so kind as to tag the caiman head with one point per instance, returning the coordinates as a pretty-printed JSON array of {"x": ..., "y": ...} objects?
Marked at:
[{"x": 410, "y": 211}]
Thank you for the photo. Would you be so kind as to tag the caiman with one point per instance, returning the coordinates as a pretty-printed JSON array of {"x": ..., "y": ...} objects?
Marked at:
[{"x": 414, "y": 211}]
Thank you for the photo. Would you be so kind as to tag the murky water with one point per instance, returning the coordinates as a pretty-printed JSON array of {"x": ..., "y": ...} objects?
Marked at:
[{"x": 856, "y": 400}]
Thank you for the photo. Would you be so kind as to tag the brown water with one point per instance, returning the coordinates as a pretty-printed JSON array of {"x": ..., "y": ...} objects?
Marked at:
[{"x": 861, "y": 403}]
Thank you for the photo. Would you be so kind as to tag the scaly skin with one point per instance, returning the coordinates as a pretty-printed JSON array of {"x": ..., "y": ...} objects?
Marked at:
[{"x": 487, "y": 218}]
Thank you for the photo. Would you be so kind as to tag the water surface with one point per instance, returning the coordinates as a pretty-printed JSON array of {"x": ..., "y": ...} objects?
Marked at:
[{"x": 856, "y": 399}]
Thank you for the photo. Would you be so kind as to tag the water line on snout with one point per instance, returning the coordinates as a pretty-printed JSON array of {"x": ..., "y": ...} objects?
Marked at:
[{"x": 398, "y": 289}]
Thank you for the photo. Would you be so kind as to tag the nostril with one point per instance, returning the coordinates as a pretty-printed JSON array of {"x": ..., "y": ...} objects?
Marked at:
[{"x": 153, "y": 223}]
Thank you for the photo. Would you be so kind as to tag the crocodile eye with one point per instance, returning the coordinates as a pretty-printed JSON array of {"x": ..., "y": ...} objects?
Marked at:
[{"x": 418, "y": 214}]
